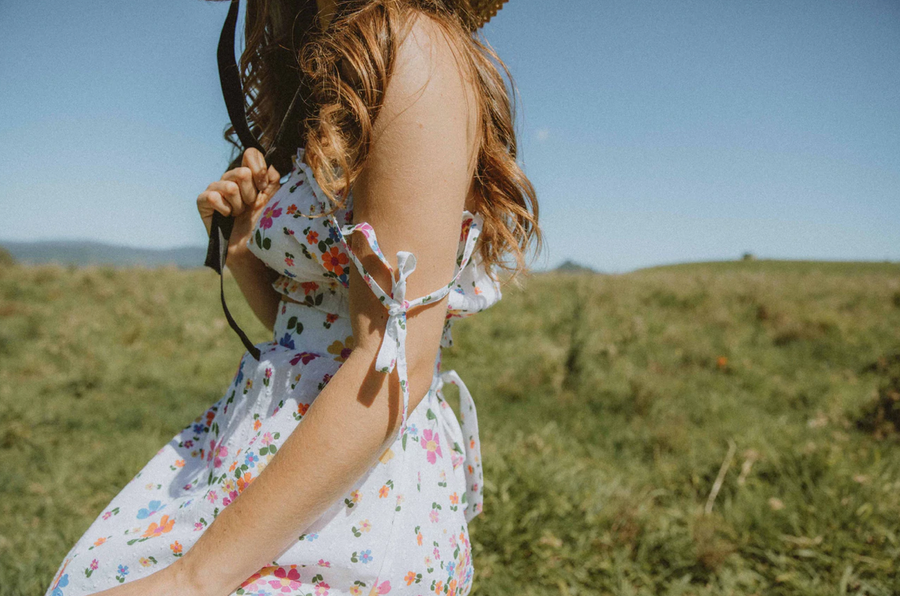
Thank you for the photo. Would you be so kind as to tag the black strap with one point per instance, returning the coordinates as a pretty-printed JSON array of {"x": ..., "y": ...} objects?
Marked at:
[{"x": 277, "y": 155}]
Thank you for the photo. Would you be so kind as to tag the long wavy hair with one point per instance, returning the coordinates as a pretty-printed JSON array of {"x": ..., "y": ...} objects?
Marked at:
[{"x": 348, "y": 67}]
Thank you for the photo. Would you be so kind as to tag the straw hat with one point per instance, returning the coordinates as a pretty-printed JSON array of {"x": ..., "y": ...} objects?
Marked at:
[{"x": 480, "y": 11}]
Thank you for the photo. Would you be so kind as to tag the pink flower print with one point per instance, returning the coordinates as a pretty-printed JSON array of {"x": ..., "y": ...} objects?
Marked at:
[
  {"x": 268, "y": 373},
  {"x": 322, "y": 589},
  {"x": 431, "y": 443},
  {"x": 94, "y": 564},
  {"x": 287, "y": 581},
  {"x": 107, "y": 514},
  {"x": 266, "y": 439},
  {"x": 265, "y": 222},
  {"x": 324, "y": 563},
  {"x": 456, "y": 458},
  {"x": 434, "y": 516},
  {"x": 219, "y": 452},
  {"x": 382, "y": 588},
  {"x": 212, "y": 496}
]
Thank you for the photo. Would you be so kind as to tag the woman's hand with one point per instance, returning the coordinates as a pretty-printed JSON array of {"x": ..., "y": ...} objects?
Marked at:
[
  {"x": 242, "y": 192},
  {"x": 168, "y": 581}
]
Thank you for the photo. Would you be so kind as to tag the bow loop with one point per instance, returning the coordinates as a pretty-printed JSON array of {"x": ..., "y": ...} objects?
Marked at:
[{"x": 397, "y": 306}]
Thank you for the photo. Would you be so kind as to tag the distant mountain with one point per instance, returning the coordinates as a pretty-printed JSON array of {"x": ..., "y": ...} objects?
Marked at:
[
  {"x": 569, "y": 266},
  {"x": 77, "y": 252}
]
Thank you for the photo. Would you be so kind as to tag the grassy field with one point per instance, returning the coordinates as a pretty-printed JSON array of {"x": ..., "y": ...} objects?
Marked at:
[{"x": 609, "y": 407}]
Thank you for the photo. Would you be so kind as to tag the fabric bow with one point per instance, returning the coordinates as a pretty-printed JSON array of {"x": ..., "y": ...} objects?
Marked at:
[{"x": 393, "y": 346}]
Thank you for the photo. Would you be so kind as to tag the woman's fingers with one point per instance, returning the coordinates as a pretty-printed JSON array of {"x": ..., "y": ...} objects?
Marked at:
[
  {"x": 243, "y": 177},
  {"x": 209, "y": 201},
  {"x": 256, "y": 161},
  {"x": 230, "y": 192}
]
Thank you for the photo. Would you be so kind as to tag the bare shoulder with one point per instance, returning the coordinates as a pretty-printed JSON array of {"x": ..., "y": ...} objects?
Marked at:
[{"x": 430, "y": 89}]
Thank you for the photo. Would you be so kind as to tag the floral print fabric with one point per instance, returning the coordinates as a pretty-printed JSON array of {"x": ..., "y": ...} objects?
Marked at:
[{"x": 403, "y": 527}]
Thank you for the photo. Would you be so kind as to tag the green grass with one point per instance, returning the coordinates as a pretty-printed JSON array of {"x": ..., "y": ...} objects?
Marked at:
[{"x": 607, "y": 405}]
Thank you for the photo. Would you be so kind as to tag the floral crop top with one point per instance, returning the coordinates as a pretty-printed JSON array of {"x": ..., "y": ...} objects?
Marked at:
[{"x": 314, "y": 261}]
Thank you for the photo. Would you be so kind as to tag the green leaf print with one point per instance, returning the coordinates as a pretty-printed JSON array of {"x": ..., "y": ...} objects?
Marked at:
[{"x": 258, "y": 239}]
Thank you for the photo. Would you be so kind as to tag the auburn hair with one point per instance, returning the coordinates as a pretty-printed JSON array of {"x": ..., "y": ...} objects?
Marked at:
[{"x": 347, "y": 69}]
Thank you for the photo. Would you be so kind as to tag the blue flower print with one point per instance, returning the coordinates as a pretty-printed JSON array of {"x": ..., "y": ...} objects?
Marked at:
[
  {"x": 62, "y": 583},
  {"x": 240, "y": 375},
  {"x": 251, "y": 459},
  {"x": 450, "y": 567},
  {"x": 365, "y": 556},
  {"x": 334, "y": 233},
  {"x": 287, "y": 341},
  {"x": 123, "y": 570},
  {"x": 412, "y": 430},
  {"x": 152, "y": 508},
  {"x": 199, "y": 428}
]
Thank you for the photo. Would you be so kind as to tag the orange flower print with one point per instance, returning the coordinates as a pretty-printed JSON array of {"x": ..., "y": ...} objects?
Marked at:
[
  {"x": 419, "y": 538},
  {"x": 383, "y": 491},
  {"x": 454, "y": 499},
  {"x": 334, "y": 260},
  {"x": 244, "y": 481},
  {"x": 451, "y": 587},
  {"x": 165, "y": 525},
  {"x": 312, "y": 238},
  {"x": 256, "y": 424},
  {"x": 410, "y": 578},
  {"x": 99, "y": 541},
  {"x": 292, "y": 209},
  {"x": 439, "y": 587},
  {"x": 331, "y": 318},
  {"x": 233, "y": 466},
  {"x": 176, "y": 548},
  {"x": 309, "y": 287},
  {"x": 179, "y": 463},
  {"x": 302, "y": 408}
]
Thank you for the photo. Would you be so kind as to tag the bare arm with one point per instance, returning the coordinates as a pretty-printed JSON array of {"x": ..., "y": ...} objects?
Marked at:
[
  {"x": 412, "y": 192},
  {"x": 255, "y": 280}
]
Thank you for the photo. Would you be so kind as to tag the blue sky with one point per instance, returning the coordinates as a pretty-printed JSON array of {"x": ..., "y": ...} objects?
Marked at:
[{"x": 653, "y": 131}]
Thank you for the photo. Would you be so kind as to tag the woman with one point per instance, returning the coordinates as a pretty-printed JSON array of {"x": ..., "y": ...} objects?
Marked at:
[{"x": 372, "y": 493}]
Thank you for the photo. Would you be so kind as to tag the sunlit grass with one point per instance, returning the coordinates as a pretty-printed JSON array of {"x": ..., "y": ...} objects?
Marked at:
[{"x": 607, "y": 405}]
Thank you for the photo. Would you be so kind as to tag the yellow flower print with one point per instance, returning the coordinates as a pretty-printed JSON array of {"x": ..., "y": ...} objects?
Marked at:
[
  {"x": 342, "y": 350},
  {"x": 386, "y": 456}
]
